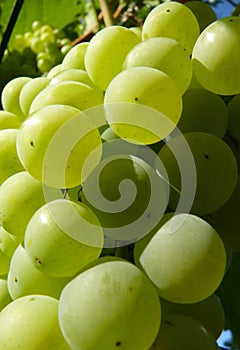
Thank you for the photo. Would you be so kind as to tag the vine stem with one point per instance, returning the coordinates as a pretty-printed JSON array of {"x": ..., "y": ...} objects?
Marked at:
[
  {"x": 10, "y": 27},
  {"x": 107, "y": 13}
]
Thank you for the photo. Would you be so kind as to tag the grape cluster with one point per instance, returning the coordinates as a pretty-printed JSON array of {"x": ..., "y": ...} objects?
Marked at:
[
  {"x": 120, "y": 187},
  {"x": 34, "y": 53}
]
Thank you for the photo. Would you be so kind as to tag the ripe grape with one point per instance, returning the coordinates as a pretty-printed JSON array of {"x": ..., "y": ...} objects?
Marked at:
[
  {"x": 5, "y": 298},
  {"x": 9, "y": 120},
  {"x": 203, "y": 12},
  {"x": 234, "y": 117},
  {"x": 115, "y": 302},
  {"x": 74, "y": 58}
]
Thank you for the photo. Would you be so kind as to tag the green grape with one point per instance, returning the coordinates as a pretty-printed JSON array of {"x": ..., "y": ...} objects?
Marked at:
[
  {"x": 20, "y": 196},
  {"x": 226, "y": 219},
  {"x": 234, "y": 117},
  {"x": 36, "y": 44},
  {"x": 203, "y": 111},
  {"x": 209, "y": 312},
  {"x": 106, "y": 52},
  {"x": 25, "y": 279},
  {"x": 9, "y": 120},
  {"x": 62, "y": 237},
  {"x": 31, "y": 322},
  {"x": 235, "y": 147},
  {"x": 9, "y": 161},
  {"x": 126, "y": 194},
  {"x": 203, "y": 12},
  {"x": 185, "y": 259},
  {"x": 4, "y": 263},
  {"x": 36, "y": 25},
  {"x": 44, "y": 65},
  {"x": 71, "y": 74},
  {"x": 30, "y": 90},
  {"x": 164, "y": 54},
  {"x": 65, "y": 49},
  {"x": 27, "y": 37},
  {"x": 59, "y": 145},
  {"x": 8, "y": 242},
  {"x": 216, "y": 56},
  {"x": 172, "y": 20},
  {"x": 137, "y": 31},
  {"x": 5, "y": 298},
  {"x": 140, "y": 245},
  {"x": 183, "y": 332},
  {"x": 71, "y": 93},
  {"x": 54, "y": 70},
  {"x": 147, "y": 110},
  {"x": 10, "y": 96},
  {"x": 108, "y": 306},
  {"x": 74, "y": 59},
  {"x": 216, "y": 170},
  {"x": 18, "y": 42}
]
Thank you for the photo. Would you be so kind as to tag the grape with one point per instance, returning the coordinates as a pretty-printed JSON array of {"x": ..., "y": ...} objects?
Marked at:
[
  {"x": 164, "y": 54},
  {"x": 226, "y": 219},
  {"x": 4, "y": 263},
  {"x": 74, "y": 59},
  {"x": 234, "y": 117},
  {"x": 10, "y": 96},
  {"x": 216, "y": 170},
  {"x": 44, "y": 64},
  {"x": 30, "y": 90},
  {"x": 74, "y": 75},
  {"x": 127, "y": 196},
  {"x": 59, "y": 145},
  {"x": 203, "y": 111},
  {"x": 106, "y": 52},
  {"x": 9, "y": 120},
  {"x": 203, "y": 12},
  {"x": 147, "y": 110},
  {"x": 62, "y": 237},
  {"x": 185, "y": 259},
  {"x": 5, "y": 298},
  {"x": 209, "y": 312},
  {"x": 182, "y": 332},
  {"x": 36, "y": 44},
  {"x": 216, "y": 56},
  {"x": 20, "y": 196},
  {"x": 31, "y": 322},
  {"x": 108, "y": 306},
  {"x": 54, "y": 70},
  {"x": 71, "y": 93},
  {"x": 25, "y": 279},
  {"x": 172, "y": 20},
  {"x": 137, "y": 31},
  {"x": 9, "y": 162},
  {"x": 8, "y": 242}
]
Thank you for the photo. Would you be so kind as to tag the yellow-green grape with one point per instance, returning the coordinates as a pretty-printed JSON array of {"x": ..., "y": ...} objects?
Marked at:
[
  {"x": 20, "y": 196},
  {"x": 203, "y": 111},
  {"x": 4, "y": 263},
  {"x": 127, "y": 195},
  {"x": 172, "y": 20},
  {"x": 5, "y": 298},
  {"x": 70, "y": 93},
  {"x": 9, "y": 161},
  {"x": 10, "y": 96},
  {"x": 143, "y": 105},
  {"x": 109, "y": 306},
  {"x": 30, "y": 90},
  {"x": 226, "y": 219},
  {"x": 9, "y": 120},
  {"x": 106, "y": 52},
  {"x": 216, "y": 170},
  {"x": 203, "y": 12},
  {"x": 185, "y": 259},
  {"x": 74, "y": 59},
  {"x": 164, "y": 54},
  {"x": 25, "y": 279},
  {"x": 183, "y": 332},
  {"x": 59, "y": 145},
  {"x": 137, "y": 31},
  {"x": 209, "y": 312},
  {"x": 62, "y": 237},
  {"x": 54, "y": 70},
  {"x": 234, "y": 117},
  {"x": 33, "y": 320},
  {"x": 216, "y": 56},
  {"x": 8, "y": 242}
]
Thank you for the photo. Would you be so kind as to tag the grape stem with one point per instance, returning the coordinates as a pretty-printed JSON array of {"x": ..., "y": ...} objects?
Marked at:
[
  {"x": 10, "y": 26},
  {"x": 106, "y": 12}
]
